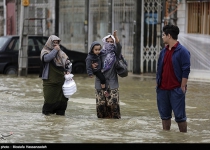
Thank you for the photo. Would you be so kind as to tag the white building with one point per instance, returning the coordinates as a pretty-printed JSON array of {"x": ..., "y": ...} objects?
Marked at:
[{"x": 194, "y": 22}]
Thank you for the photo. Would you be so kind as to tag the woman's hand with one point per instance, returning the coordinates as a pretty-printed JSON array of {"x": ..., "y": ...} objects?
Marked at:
[
  {"x": 67, "y": 72},
  {"x": 115, "y": 36},
  {"x": 94, "y": 65},
  {"x": 57, "y": 47}
]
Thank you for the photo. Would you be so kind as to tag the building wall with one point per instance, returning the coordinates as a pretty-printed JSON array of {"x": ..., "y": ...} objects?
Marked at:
[
  {"x": 11, "y": 17},
  {"x": 197, "y": 44},
  {"x": 181, "y": 15},
  {"x": 1, "y": 20},
  {"x": 77, "y": 31}
]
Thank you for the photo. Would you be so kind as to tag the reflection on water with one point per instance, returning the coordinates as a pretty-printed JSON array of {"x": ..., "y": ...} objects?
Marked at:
[{"x": 21, "y": 102}]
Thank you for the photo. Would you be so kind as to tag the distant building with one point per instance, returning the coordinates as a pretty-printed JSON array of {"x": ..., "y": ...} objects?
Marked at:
[
  {"x": 194, "y": 22},
  {"x": 1, "y": 18}
]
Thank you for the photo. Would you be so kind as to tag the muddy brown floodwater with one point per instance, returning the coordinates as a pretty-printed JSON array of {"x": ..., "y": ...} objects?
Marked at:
[{"x": 21, "y": 100}]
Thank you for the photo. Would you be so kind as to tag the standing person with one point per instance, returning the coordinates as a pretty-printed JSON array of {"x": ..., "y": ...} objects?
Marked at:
[
  {"x": 108, "y": 107},
  {"x": 173, "y": 69},
  {"x": 55, "y": 65},
  {"x": 94, "y": 57}
]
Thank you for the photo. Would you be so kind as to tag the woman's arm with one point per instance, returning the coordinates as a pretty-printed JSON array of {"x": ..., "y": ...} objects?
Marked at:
[
  {"x": 48, "y": 57},
  {"x": 118, "y": 45},
  {"x": 116, "y": 37}
]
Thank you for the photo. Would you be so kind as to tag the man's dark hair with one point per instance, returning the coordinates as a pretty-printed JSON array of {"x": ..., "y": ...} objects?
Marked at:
[{"x": 173, "y": 30}]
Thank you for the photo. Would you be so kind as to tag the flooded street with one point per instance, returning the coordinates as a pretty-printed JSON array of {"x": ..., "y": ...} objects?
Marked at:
[{"x": 21, "y": 101}]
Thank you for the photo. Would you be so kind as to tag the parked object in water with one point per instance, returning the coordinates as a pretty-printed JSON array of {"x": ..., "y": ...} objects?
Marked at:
[{"x": 9, "y": 52}]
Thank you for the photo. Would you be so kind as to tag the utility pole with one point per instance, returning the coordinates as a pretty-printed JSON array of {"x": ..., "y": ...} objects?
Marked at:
[
  {"x": 110, "y": 16},
  {"x": 86, "y": 23},
  {"x": 23, "y": 38}
]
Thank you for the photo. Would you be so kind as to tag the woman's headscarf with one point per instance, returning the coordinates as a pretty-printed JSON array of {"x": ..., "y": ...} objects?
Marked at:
[
  {"x": 61, "y": 58},
  {"x": 109, "y": 51},
  {"x": 108, "y": 36}
]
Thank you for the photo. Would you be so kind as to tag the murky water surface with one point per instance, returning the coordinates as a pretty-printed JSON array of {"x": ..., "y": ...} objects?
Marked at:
[{"x": 21, "y": 102}]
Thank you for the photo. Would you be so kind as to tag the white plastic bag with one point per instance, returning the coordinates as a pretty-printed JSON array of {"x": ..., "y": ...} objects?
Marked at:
[{"x": 69, "y": 86}]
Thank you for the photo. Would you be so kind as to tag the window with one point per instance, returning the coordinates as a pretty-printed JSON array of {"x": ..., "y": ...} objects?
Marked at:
[
  {"x": 2, "y": 41},
  {"x": 13, "y": 45},
  {"x": 199, "y": 17},
  {"x": 41, "y": 42},
  {"x": 31, "y": 46}
]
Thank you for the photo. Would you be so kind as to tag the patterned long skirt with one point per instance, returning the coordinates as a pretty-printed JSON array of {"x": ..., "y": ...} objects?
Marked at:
[{"x": 108, "y": 107}]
